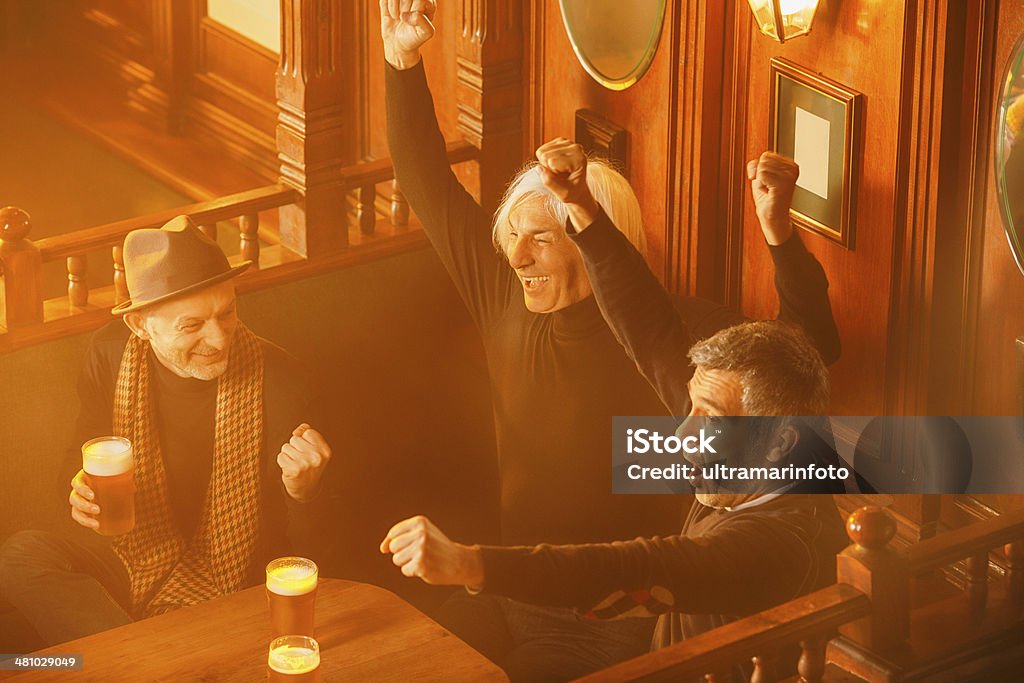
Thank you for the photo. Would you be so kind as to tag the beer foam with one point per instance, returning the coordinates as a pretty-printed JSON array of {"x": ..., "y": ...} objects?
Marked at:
[
  {"x": 293, "y": 659},
  {"x": 107, "y": 457},
  {"x": 291, "y": 579}
]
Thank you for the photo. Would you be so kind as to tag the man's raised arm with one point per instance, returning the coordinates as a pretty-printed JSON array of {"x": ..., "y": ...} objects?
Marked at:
[
  {"x": 639, "y": 310},
  {"x": 456, "y": 225}
]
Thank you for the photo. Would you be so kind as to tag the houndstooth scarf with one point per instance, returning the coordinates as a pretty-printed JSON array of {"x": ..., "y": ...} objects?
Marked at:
[{"x": 166, "y": 570}]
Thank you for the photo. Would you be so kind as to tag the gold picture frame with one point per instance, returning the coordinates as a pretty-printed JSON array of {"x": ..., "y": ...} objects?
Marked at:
[{"x": 817, "y": 121}]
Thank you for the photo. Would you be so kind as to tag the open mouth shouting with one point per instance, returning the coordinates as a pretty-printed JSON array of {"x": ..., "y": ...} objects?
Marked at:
[{"x": 532, "y": 283}]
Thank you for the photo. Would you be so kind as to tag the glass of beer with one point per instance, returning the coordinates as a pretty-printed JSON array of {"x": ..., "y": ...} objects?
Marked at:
[
  {"x": 293, "y": 659},
  {"x": 108, "y": 466},
  {"x": 291, "y": 595}
]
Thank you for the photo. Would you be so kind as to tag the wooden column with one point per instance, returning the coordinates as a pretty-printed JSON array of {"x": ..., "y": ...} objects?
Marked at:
[
  {"x": 489, "y": 92},
  {"x": 871, "y": 567},
  {"x": 312, "y": 140},
  {"x": 924, "y": 356},
  {"x": 21, "y": 266},
  {"x": 705, "y": 146}
]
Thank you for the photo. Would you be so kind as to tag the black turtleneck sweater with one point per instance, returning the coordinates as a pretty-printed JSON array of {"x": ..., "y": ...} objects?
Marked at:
[{"x": 557, "y": 379}]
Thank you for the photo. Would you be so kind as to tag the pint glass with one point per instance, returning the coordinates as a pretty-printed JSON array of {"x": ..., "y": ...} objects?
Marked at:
[
  {"x": 107, "y": 463},
  {"x": 291, "y": 595},
  {"x": 294, "y": 659}
]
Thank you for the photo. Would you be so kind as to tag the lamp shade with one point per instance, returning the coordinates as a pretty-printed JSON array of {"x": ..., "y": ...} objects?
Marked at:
[{"x": 784, "y": 19}]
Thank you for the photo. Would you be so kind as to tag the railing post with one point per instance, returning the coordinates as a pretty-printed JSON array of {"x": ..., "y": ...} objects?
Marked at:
[
  {"x": 871, "y": 567},
  {"x": 120, "y": 282},
  {"x": 764, "y": 670},
  {"x": 811, "y": 665},
  {"x": 311, "y": 134},
  {"x": 399, "y": 206},
  {"x": 21, "y": 267},
  {"x": 1015, "y": 571},
  {"x": 250, "y": 238},
  {"x": 78, "y": 286},
  {"x": 367, "y": 211},
  {"x": 977, "y": 582}
]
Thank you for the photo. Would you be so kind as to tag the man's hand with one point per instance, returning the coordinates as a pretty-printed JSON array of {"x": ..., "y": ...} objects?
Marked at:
[
  {"x": 420, "y": 549},
  {"x": 772, "y": 181},
  {"x": 563, "y": 169},
  {"x": 303, "y": 461},
  {"x": 83, "y": 510},
  {"x": 405, "y": 25}
]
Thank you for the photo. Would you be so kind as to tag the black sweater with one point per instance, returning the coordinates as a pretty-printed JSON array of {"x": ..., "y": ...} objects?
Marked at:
[{"x": 557, "y": 379}]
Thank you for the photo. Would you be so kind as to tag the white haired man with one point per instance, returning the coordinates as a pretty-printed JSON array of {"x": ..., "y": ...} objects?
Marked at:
[
  {"x": 206, "y": 405},
  {"x": 557, "y": 373}
]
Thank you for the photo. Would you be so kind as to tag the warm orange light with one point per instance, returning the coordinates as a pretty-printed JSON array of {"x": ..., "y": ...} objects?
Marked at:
[{"x": 784, "y": 19}]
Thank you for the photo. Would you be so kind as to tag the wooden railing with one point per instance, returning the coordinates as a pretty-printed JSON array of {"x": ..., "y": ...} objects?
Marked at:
[
  {"x": 807, "y": 620},
  {"x": 869, "y": 607},
  {"x": 27, "y": 317}
]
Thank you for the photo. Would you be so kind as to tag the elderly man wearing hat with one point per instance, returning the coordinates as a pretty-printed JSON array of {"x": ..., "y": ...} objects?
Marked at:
[{"x": 207, "y": 406}]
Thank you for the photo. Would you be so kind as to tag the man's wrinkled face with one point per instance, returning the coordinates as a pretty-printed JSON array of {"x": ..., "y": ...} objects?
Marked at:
[
  {"x": 548, "y": 264},
  {"x": 716, "y": 396},
  {"x": 192, "y": 335}
]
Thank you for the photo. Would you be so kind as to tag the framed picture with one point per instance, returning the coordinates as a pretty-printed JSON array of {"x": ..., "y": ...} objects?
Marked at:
[{"x": 817, "y": 122}]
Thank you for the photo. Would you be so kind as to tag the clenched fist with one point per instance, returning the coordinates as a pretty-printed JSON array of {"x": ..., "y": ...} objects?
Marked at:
[
  {"x": 420, "y": 549},
  {"x": 772, "y": 181},
  {"x": 562, "y": 165},
  {"x": 302, "y": 461},
  {"x": 405, "y": 25}
]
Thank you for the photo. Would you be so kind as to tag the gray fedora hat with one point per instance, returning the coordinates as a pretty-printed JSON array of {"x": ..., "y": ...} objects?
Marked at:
[{"x": 160, "y": 264}]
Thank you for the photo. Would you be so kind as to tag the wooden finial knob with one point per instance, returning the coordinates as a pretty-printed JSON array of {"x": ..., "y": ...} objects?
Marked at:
[
  {"x": 15, "y": 224},
  {"x": 870, "y": 527}
]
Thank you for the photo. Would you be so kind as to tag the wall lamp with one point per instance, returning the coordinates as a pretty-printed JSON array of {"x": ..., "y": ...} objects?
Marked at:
[{"x": 784, "y": 19}]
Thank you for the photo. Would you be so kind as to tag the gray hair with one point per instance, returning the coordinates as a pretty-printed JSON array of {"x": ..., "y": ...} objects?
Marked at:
[
  {"x": 611, "y": 190},
  {"x": 780, "y": 370}
]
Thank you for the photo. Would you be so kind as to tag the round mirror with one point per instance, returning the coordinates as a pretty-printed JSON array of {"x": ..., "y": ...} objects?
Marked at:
[
  {"x": 1010, "y": 152},
  {"x": 615, "y": 41}
]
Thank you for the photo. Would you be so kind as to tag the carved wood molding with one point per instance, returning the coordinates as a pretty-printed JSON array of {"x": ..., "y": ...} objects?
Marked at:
[
  {"x": 603, "y": 138},
  {"x": 489, "y": 97},
  {"x": 695, "y": 145},
  {"x": 314, "y": 105},
  {"x": 930, "y": 226},
  {"x": 980, "y": 71}
]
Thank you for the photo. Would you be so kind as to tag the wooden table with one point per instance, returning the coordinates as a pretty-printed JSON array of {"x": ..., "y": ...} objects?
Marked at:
[{"x": 365, "y": 633}]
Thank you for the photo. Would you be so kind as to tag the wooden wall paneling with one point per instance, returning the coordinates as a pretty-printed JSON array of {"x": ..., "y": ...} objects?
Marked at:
[
  {"x": 233, "y": 105},
  {"x": 489, "y": 53},
  {"x": 171, "y": 52},
  {"x": 732, "y": 181},
  {"x": 128, "y": 42},
  {"x": 561, "y": 86},
  {"x": 854, "y": 43},
  {"x": 999, "y": 302},
  {"x": 313, "y": 140},
  {"x": 978, "y": 99},
  {"x": 695, "y": 229},
  {"x": 926, "y": 210}
]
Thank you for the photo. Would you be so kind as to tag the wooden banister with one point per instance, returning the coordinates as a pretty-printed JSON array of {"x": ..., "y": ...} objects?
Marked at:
[
  {"x": 26, "y": 318},
  {"x": 383, "y": 170},
  {"x": 804, "y": 619},
  {"x": 969, "y": 541},
  {"x": 211, "y": 212}
]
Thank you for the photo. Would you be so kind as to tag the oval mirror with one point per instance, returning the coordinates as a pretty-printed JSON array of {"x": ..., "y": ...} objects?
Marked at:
[
  {"x": 615, "y": 41},
  {"x": 1009, "y": 157}
]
